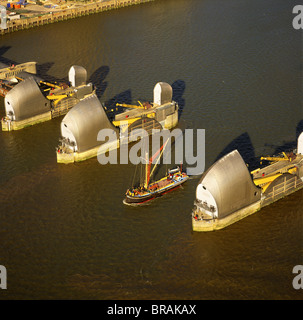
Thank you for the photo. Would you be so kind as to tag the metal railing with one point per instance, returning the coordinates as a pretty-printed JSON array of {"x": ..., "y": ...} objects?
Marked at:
[
  {"x": 282, "y": 189},
  {"x": 63, "y": 107}
]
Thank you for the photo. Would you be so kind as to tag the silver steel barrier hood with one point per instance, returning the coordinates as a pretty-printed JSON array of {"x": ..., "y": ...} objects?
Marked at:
[
  {"x": 26, "y": 100},
  {"x": 83, "y": 123},
  {"x": 227, "y": 186}
]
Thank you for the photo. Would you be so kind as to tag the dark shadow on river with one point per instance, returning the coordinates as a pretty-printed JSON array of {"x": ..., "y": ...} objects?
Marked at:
[
  {"x": 244, "y": 145},
  {"x": 178, "y": 90}
]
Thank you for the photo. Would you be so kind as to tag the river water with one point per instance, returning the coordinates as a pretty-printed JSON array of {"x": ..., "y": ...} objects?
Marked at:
[{"x": 236, "y": 70}]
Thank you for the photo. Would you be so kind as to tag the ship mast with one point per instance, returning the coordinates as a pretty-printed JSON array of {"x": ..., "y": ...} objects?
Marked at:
[
  {"x": 149, "y": 173},
  {"x": 147, "y": 169}
]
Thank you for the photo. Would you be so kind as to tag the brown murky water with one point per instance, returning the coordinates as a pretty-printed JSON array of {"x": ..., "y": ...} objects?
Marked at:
[{"x": 236, "y": 70}]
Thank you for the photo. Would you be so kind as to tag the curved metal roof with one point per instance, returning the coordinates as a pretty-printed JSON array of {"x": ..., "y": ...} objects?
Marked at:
[
  {"x": 163, "y": 93},
  {"x": 85, "y": 120},
  {"x": 230, "y": 183},
  {"x": 27, "y": 100},
  {"x": 77, "y": 75},
  {"x": 300, "y": 144}
]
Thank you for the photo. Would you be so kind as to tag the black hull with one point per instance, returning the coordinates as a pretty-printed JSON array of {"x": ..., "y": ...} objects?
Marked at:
[
  {"x": 138, "y": 200},
  {"x": 143, "y": 199}
]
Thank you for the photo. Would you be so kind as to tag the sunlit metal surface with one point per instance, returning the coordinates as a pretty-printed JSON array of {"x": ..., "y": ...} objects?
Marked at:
[
  {"x": 229, "y": 183},
  {"x": 84, "y": 121}
]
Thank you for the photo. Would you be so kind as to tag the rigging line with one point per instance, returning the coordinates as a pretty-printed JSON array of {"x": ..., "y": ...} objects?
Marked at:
[
  {"x": 134, "y": 176},
  {"x": 158, "y": 159},
  {"x": 141, "y": 179}
]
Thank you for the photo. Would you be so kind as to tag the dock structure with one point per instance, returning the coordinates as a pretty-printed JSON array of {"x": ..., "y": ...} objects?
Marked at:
[
  {"x": 81, "y": 126},
  {"x": 68, "y": 13},
  {"x": 10, "y": 75},
  {"x": 12, "y": 71},
  {"x": 228, "y": 192},
  {"x": 33, "y": 100}
]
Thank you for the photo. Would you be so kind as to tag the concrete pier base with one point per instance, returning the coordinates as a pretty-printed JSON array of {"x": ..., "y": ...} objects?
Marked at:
[
  {"x": 9, "y": 125},
  {"x": 171, "y": 120},
  {"x": 217, "y": 224},
  {"x": 284, "y": 189},
  {"x": 67, "y": 13},
  {"x": 65, "y": 157}
]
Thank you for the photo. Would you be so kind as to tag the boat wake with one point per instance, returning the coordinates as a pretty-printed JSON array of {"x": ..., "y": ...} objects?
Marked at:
[
  {"x": 194, "y": 177},
  {"x": 139, "y": 204}
]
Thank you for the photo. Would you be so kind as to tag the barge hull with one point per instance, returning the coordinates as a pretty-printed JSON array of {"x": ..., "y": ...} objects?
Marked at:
[{"x": 153, "y": 195}]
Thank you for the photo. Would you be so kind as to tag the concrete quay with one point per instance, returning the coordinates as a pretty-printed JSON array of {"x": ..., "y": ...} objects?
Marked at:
[{"x": 41, "y": 15}]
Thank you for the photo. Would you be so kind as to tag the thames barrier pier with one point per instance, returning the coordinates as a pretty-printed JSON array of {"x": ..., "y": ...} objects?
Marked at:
[
  {"x": 227, "y": 192},
  {"x": 81, "y": 125},
  {"x": 33, "y": 100}
]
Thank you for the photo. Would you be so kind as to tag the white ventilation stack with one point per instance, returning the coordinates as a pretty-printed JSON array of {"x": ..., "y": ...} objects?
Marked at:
[
  {"x": 3, "y": 17},
  {"x": 77, "y": 76},
  {"x": 300, "y": 144},
  {"x": 163, "y": 93}
]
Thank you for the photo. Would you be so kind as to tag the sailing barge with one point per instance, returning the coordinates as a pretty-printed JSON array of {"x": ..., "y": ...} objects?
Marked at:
[
  {"x": 148, "y": 191},
  {"x": 171, "y": 181},
  {"x": 228, "y": 192}
]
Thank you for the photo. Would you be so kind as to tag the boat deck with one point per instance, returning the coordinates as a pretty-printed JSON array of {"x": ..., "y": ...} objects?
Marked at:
[{"x": 162, "y": 183}]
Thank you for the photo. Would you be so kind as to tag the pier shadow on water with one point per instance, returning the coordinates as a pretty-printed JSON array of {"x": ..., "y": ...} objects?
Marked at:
[
  {"x": 244, "y": 145},
  {"x": 4, "y": 60},
  {"x": 178, "y": 90},
  {"x": 3, "y": 50},
  {"x": 289, "y": 145},
  {"x": 42, "y": 71},
  {"x": 97, "y": 79},
  {"x": 123, "y": 97}
]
